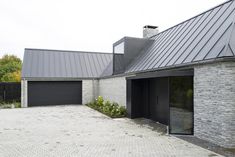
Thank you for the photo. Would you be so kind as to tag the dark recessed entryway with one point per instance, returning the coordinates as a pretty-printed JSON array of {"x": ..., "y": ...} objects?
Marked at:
[
  {"x": 41, "y": 93},
  {"x": 149, "y": 98},
  {"x": 168, "y": 100}
]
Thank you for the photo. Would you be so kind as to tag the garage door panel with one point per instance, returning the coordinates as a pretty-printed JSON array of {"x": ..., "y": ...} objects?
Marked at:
[{"x": 54, "y": 93}]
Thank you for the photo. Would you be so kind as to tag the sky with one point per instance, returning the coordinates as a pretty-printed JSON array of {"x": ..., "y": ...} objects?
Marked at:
[{"x": 86, "y": 25}]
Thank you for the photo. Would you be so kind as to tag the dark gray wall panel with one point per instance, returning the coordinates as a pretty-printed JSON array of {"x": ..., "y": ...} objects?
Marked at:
[
  {"x": 54, "y": 93},
  {"x": 137, "y": 98},
  {"x": 159, "y": 100},
  {"x": 119, "y": 63},
  {"x": 132, "y": 48}
]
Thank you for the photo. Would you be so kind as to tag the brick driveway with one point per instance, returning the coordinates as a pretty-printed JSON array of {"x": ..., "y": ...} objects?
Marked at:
[{"x": 65, "y": 131}]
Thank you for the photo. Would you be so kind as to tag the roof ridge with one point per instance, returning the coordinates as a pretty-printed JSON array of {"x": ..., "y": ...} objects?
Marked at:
[
  {"x": 191, "y": 18},
  {"x": 70, "y": 51}
]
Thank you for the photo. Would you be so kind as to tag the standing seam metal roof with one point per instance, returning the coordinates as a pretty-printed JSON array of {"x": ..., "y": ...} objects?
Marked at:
[
  {"x": 39, "y": 63},
  {"x": 209, "y": 35}
]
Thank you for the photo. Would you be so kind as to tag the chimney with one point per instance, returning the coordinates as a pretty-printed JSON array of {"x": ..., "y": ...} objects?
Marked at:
[{"x": 149, "y": 31}]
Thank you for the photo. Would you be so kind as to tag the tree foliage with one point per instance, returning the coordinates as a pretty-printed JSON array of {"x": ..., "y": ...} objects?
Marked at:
[
  {"x": 10, "y": 68},
  {"x": 12, "y": 77}
]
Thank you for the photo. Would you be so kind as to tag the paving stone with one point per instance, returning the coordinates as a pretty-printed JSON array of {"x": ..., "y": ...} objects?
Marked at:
[{"x": 91, "y": 134}]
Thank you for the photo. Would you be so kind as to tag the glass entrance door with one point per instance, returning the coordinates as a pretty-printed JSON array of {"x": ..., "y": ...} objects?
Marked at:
[{"x": 181, "y": 105}]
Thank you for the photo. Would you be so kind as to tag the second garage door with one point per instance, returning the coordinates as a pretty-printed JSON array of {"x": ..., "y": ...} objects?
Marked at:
[{"x": 43, "y": 93}]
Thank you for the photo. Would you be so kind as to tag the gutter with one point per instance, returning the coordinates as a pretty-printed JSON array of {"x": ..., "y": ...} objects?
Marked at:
[{"x": 184, "y": 66}]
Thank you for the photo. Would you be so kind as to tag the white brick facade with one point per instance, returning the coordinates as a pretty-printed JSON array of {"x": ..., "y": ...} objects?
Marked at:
[
  {"x": 113, "y": 89},
  {"x": 24, "y": 93},
  {"x": 89, "y": 90}
]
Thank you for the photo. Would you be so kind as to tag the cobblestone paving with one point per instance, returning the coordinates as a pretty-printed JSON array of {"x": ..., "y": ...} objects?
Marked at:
[{"x": 74, "y": 131}]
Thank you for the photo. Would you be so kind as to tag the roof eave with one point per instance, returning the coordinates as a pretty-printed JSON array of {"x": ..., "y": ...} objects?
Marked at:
[
  {"x": 186, "y": 65},
  {"x": 58, "y": 78}
]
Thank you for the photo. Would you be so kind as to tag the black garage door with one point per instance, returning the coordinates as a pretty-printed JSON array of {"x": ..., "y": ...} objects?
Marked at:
[{"x": 42, "y": 93}]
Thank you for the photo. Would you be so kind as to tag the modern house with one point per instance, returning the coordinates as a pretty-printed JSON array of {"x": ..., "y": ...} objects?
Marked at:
[{"x": 183, "y": 77}]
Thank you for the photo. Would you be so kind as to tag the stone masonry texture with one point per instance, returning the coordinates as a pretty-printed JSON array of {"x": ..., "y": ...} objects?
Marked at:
[{"x": 214, "y": 103}]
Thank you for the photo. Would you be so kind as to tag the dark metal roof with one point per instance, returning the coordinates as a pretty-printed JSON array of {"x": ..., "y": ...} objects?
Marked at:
[
  {"x": 40, "y": 63},
  {"x": 207, "y": 36},
  {"x": 108, "y": 71}
]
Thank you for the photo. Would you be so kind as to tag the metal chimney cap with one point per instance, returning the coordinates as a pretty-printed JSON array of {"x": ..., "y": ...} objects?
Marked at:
[{"x": 150, "y": 26}]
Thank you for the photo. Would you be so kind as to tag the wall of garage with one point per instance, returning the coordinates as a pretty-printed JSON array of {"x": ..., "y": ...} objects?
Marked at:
[
  {"x": 89, "y": 90},
  {"x": 113, "y": 89},
  {"x": 24, "y": 93}
]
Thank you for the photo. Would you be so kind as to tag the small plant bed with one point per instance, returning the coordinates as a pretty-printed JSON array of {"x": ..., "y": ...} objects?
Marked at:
[
  {"x": 10, "y": 105},
  {"x": 112, "y": 110}
]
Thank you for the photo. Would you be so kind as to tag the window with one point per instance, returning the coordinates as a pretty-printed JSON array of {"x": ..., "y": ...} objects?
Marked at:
[
  {"x": 119, "y": 49},
  {"x": 181, "y": 105}
]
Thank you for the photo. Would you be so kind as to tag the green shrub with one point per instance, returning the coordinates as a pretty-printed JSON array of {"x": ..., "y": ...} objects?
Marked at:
[
  {"x": 10, "y": 104},
  {"x": 17, "y": 105},
  {"x": 100, "y": 101},
  {"x": 112, "y": 110}
]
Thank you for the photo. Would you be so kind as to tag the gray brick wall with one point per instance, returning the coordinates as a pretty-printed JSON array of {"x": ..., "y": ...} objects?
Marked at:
[
  {"x": 113, "y": 89},
  {"x": 89, "y": 90},
  {"x": 214, "y": 103},
  {"x": 24, "y": 93}
]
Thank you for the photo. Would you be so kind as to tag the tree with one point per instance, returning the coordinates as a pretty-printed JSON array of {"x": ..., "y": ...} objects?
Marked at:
[
  {"x": 10, "y": 67},
  {"x": 12, "y": 77}
]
